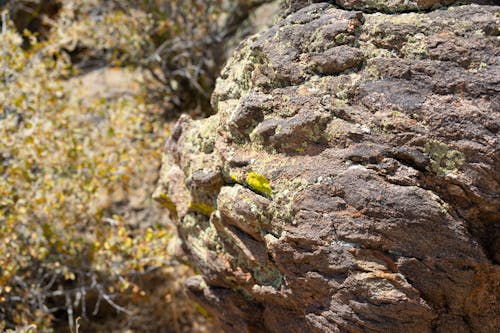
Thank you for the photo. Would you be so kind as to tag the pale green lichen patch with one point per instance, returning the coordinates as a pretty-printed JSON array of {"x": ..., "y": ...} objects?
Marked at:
[
  {"x": 371, "y": 51},
  {"x": 416, "y": 47},
  {"x": 201, "y": 236},
  {"x": 282, "y": 207},
  {"x": 443, "y": 206},
  {"x": 259, "y": 183},
  {"x": 336, "y": 129},
  {"x": 202, "y": 134},
  {"x": 268, "y": 276},
  {"x": 443, "y": 159}
]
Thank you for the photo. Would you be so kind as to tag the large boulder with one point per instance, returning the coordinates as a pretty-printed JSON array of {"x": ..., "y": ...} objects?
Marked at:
[{"x": 349, "y": 180}]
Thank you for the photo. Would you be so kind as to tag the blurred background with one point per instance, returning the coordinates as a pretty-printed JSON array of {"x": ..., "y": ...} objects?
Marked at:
[{"x": 89, "y": 90}]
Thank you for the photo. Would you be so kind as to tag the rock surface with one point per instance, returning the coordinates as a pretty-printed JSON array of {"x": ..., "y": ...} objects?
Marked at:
[
  {"x": 349, "y": 181},
  {"x": 387, "y": 6}
]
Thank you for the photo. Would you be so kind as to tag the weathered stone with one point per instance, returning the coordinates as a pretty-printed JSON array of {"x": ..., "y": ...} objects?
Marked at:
[
  {"x": 351, "y": 173},
  {"x": 387, "y": 6},
  {"x": 336, "y": 60}
]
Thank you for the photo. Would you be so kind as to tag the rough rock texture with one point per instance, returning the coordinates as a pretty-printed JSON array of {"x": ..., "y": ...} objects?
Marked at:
[
  {"x": 349, "y": 181},
  {"x": 388, "y": 6}
]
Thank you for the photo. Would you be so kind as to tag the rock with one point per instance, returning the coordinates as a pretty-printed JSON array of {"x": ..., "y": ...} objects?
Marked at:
[
  {"x": 349, "y": 180},
  {"x": 387, "y": 6}
]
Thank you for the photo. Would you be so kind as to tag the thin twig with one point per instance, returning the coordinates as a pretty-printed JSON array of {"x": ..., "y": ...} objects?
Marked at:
[
  {"x": 4, "y": 22},
  {"x": 69, "y": 311},
  {"x": 110, "y": 301}
]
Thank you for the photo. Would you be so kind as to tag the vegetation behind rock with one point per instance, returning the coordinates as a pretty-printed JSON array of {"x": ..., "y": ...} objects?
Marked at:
[{"x": 79, "y": 155}]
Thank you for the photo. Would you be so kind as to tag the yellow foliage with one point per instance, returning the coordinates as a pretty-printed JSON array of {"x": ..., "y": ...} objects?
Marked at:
[
  {"x": 71, "y": 161},
  {"x": 57, "y": 152}
]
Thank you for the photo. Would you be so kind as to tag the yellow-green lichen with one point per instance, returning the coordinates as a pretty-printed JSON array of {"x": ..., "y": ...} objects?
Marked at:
[
  {"x": 443, "y": 159},
  {"x": 166, "y": 202},
  {"x": 259, "y": 183},
  {"x": 201, "y": 208}
]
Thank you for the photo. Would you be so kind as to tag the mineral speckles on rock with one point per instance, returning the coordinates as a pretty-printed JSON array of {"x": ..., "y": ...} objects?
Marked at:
[{"x": 349, "y": 180}]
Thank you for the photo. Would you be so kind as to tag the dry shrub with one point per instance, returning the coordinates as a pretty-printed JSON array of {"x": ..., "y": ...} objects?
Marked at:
[
  {"x": 76, "y": 178},
  {"x": 80, "y": 235}
]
